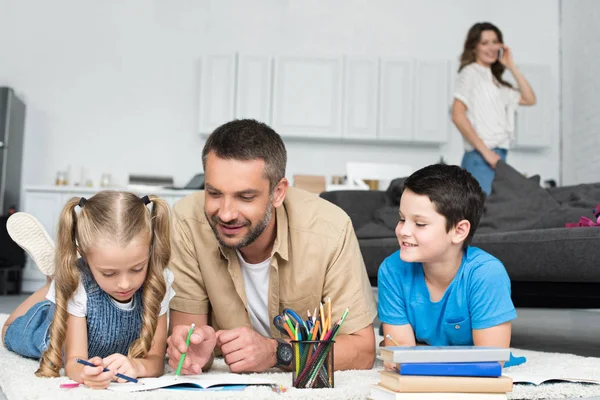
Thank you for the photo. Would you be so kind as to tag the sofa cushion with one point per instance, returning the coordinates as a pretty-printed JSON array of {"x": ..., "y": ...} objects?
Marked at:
[
  {"x": 394, "y": 191},
  {"x": 358, "y": 204},
  {"x": 516, "y": 203},
  {"x": 546, "y": 255},
  {"x": 373, "y": 230}
]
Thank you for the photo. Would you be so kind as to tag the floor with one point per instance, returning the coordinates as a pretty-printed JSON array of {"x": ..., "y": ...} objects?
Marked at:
[{"x": 552, "y": 330}]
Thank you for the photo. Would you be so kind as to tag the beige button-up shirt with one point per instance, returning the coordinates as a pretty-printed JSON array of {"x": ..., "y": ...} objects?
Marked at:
[{"x": 315, "y": 256}]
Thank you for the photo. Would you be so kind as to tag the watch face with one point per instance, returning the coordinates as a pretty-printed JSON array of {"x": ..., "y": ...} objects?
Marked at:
[{"x": 285, "y": 353}]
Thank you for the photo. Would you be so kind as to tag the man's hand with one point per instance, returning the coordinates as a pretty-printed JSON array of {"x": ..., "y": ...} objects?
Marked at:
[
  {"x": 202, "y": 344},
  {"x": 247, "y": 351},
  {"x": 118, "y": 363},
  {"x": 93, "y": 377}
]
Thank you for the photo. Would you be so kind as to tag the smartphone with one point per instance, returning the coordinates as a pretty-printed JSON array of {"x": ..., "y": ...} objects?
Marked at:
[{"x": 500, "y": 53}]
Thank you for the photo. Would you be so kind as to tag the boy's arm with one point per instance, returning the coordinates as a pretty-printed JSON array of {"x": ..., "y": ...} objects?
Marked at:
[
  {"x": 153, "y": 364},
  {"x": 403, "y": 335},
  {"x": 491, "y": 307},
  {"x": 496, "y": 336}
]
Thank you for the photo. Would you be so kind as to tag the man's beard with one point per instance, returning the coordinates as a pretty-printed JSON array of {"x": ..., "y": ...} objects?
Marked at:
[{"x": 252, "y": 235}]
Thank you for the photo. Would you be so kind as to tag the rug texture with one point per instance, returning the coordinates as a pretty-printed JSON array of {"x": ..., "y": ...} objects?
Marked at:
[{"x": 18, "y": 381}]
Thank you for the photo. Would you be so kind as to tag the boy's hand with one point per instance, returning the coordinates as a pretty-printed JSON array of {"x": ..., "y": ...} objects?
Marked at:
[
  {"x": 94, "y": 377},
  {"x": 118, "y": 363},
  {"x": 390, "y": 366}
]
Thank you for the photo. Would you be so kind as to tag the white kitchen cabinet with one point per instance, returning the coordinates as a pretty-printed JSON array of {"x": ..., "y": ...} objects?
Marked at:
[
  {"x": 360, "y": 97},
  {"x": 254, "y": 87},
  {"x": 307, "y": 97},
  {"x": 396, "y": 99},
  {"x": 533, "y": 124},
  {"x": 217, "y": 91},
  {"x": 431, "y": 104},
  {"x": 356, "y": 98}
]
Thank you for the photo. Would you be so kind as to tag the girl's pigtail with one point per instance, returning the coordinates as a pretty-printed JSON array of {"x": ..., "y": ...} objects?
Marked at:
[
  {"x": 155, "y": 285},
  {"x": 66, "y": 280}
]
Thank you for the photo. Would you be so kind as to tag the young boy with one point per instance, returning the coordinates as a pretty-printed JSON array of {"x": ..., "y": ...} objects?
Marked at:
[{"x": 438, "y": 290}]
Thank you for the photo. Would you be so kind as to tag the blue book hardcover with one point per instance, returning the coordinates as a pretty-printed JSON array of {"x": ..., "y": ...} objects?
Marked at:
[{"x": 488, "y": 369}]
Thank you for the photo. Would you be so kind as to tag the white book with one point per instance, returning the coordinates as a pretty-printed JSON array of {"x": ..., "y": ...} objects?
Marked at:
[
  {"x": 440, "y": 354},
  {"x": 381, "y": 393},
  {"x": 202, "y": 381}
]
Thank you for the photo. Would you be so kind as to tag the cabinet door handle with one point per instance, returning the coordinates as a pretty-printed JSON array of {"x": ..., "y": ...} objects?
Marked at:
[{"x": 1, "y": 145}]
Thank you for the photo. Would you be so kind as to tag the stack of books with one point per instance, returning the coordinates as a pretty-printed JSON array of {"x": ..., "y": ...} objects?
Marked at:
[{"x": 444, "y": 372}]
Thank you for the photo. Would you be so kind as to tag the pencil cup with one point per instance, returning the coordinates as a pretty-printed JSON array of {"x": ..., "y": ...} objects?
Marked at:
[{"x": 313, "y": 364}]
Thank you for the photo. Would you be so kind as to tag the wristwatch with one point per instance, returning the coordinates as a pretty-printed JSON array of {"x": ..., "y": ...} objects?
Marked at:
[{"x": 284, "y": 353}]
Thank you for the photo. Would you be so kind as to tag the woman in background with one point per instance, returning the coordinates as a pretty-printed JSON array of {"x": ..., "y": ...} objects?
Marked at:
[{"x": 484, "y": 103}]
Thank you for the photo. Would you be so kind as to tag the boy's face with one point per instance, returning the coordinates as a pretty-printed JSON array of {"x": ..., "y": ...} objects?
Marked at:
[{"x": 421, "y": 231}]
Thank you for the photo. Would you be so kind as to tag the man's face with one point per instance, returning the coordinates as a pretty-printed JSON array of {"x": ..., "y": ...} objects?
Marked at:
[{"x": 238, "y": 203}]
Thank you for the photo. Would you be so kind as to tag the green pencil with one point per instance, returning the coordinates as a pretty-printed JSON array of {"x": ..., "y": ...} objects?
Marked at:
[{"x": 187, "y": 342}]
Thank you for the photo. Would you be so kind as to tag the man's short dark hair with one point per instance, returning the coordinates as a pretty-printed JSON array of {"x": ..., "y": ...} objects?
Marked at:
[
  {"x": 454, "y": 192},
  {"x": 248, "y": 139}
]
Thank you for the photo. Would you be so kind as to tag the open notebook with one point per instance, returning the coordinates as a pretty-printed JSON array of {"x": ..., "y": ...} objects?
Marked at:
[
  {"x": 203, "y": 381},
  {"x": 538, "y": 379}
]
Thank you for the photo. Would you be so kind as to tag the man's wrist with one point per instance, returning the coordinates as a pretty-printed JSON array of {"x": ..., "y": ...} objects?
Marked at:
[{"x": 274, "y": 343}]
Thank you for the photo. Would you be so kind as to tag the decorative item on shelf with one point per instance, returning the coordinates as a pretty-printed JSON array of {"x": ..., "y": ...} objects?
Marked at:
[
  {"x": 61, "y": 178},
  {"x": 81, "y": 181},
  {"x": 373, "y": 184},
  {"x": 89, "y": 183},
  {"x": 337, "y": 180},
  {"x": 149, "y": 182},
  {"x": 105, "y": 180}
]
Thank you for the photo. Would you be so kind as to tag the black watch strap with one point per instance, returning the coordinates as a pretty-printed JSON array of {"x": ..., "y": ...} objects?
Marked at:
[{"x": 284, "y": 353}]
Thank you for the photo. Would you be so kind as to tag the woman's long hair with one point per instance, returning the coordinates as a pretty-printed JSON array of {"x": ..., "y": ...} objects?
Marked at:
[
  {"x": 473, "y": 38},
  {"x": 114, "y": 217}
]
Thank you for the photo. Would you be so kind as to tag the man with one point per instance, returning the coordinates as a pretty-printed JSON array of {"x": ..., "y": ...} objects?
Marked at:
[{"x": 248, "y": 247}]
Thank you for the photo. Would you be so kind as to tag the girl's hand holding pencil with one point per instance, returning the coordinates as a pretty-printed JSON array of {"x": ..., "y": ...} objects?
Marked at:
[
  {"x": 94, "y": 375},
  {"x": 123, "y": 365},
  {"x": 197, "y": 354}
]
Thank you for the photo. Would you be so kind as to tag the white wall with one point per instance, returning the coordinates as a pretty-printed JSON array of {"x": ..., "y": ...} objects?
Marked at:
[
  {"x": 581, "y": 85},
  {"x": 111, "y": 85}
]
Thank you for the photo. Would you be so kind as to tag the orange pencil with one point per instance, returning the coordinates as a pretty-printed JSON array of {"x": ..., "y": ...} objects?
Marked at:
[
  {"x": 289, "y": 331},
  {"x": 315, "y": 331}
]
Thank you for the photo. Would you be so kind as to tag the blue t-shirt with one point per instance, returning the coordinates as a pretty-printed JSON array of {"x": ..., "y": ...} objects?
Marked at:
[{"x": 477, "y": 298}]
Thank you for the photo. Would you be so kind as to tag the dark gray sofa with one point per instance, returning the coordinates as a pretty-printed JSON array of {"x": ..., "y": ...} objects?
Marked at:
[{"x": 523, "y": 225}]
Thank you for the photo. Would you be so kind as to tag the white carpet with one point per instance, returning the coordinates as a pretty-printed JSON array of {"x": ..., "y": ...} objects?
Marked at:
[{"x": 18, "y": 381}]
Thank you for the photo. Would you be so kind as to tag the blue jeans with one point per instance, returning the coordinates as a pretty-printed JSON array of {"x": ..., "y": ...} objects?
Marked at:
[
  {"x": 29, "y": 334},
  {"x": 474, "y": 163}
]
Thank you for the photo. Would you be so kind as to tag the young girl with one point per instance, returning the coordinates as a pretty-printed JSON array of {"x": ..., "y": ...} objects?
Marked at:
[
  {"x": 109, "y": 302},
  {"x": 484, "y": 103}
]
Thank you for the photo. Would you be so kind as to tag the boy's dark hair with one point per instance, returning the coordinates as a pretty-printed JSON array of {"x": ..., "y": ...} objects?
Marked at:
[
  {"x": 248, "y": 139},
  {"x": 453, "y": 191}
]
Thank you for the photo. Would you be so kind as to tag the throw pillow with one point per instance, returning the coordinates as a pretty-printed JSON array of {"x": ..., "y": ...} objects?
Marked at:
[
  {"x": 394, "y": 191},
  {"x": 516, "y": 203}
]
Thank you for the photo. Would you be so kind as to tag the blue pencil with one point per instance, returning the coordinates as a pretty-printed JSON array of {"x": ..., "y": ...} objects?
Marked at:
[{"x": 89, "y": 364}]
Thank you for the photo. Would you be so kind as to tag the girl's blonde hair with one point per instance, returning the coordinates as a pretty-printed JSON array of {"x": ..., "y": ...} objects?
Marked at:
[{"x": 108, "y": 217}]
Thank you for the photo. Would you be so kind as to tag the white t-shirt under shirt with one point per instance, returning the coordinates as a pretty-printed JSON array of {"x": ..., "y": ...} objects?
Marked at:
[
  {"x": 77, "y": 305},
  {"x": 256, "y": 283},
  {"x": 490, "y": 106}
]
